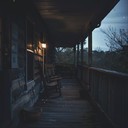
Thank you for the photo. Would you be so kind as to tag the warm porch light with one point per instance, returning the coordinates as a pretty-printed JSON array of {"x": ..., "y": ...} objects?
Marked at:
[{"x": 44, "y": 45}]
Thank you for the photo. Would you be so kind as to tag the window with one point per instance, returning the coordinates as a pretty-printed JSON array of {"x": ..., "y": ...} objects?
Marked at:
[
  {"x": 29, "y": 66},
  {"x": 14, "y": 55}
]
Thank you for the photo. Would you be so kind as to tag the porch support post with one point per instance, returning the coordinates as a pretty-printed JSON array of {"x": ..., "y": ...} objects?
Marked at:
[
  {"x": 90, "y": 48},
  {"x": 77, "y": 67},
  {"x": 77, "y": 54},
  {"x": 82, "y": 60},
  {"x": 74, "y": 50},
  {"x": 81, "y": 53}
]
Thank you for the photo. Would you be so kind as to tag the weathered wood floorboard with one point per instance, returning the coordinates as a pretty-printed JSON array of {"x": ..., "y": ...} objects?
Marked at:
[{"x": 67, "y": 111}]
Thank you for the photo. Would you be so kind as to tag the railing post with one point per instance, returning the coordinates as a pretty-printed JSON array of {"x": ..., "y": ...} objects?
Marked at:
[{"x": 77, "y": 54}]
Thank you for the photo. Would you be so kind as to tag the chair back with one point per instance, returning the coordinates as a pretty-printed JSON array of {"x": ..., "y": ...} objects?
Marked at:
[{"x": 50, "y": 69}]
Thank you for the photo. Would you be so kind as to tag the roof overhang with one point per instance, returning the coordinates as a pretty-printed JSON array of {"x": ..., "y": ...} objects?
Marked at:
[
  {"x": 66, "y": 22},
  {"x": 69, "y": 21}
]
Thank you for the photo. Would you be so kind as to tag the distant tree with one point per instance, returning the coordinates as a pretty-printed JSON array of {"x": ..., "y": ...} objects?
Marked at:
[
  {"x": 99, "y": 49},
  {"x": 64, "y": 55},
  {"x": 117, "y": 56},
  {"x": 58, "y": 54},
  {"x": 116, "y": 40}
]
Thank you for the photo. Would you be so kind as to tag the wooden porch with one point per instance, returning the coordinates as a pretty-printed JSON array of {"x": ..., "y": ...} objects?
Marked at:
[{"x": 73, "y": 109}]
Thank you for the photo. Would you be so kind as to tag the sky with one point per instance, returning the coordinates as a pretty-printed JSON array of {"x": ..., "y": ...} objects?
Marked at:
[{"x": 117, "y": 18}]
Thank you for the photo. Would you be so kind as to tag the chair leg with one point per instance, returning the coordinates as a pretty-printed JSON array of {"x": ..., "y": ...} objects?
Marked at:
[{"x": 59, "y": 87}]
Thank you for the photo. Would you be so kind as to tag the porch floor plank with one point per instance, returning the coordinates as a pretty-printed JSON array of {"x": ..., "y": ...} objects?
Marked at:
[{"x": 70, "y": 110}]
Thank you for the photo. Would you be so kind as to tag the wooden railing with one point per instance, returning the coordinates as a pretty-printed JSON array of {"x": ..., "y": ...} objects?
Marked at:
[
  {"x": 110, "y": 91},
  {"x": 65, "y": 70}
]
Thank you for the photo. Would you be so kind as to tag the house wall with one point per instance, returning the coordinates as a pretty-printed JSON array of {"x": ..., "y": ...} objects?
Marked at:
[{"x": 20, "y": 78}]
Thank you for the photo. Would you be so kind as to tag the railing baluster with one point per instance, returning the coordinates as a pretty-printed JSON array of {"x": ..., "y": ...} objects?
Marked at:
[{"x": 110, "y": 90}]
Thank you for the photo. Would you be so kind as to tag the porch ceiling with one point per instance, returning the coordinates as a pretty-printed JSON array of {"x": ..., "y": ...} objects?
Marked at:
[{"x": 69, "y": 21}]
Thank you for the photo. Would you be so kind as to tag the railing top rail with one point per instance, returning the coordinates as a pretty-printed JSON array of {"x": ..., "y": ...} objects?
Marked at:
[{"x": 109, "y": 72}]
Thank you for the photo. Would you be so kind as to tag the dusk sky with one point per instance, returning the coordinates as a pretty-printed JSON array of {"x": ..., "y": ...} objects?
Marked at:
[{"x": 117, "y": 18}]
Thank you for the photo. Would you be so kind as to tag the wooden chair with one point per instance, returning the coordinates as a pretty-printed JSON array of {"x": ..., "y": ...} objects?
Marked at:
[
  {"x": 51, "y": 75},
  {"x": 51, "y": 86},
  {"x": 50, "y": 71}
]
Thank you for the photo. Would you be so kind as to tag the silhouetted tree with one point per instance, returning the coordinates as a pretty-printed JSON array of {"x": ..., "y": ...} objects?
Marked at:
[
  {"x": 117, "y": 56},
  {"x": 116, "y": 41}
]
